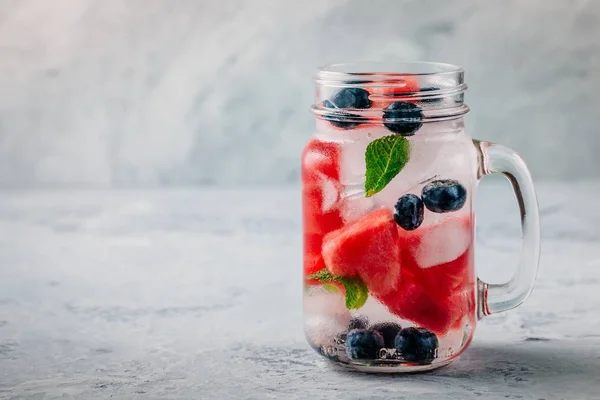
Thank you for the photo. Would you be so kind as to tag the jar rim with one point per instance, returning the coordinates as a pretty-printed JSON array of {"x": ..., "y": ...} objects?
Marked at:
[
  {"x": 384, "y": 71},
  {"x": 435, "y": 88}
]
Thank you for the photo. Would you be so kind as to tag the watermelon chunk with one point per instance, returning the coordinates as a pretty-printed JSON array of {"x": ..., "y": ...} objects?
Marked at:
[
  {"x": 413, "y": 302},
  {"x": 368, "y": 248},
  {"x": 440, "y": 255},
  {"x": 464, "y": 301},
  {"x": 443, "y": 279},
  {"x": 417, "y": 303},
  {"x": 322, "y": 157},
  {"x": 408, "y": 84},
  {"x": 320, "y": 197},
  {"x": 437, "y": 297},
  {"x": 320, "y": 193}
]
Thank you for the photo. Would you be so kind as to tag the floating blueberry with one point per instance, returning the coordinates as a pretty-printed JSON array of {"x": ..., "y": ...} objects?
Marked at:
[
  {"x": 444, "y": 195},
  {"x": 340, "y": 118},
  {"x": 362, "y": 344},
  {"x": 351, "y": 98},
  {"x": 388, "y": 331},
  {"x": 408, "y": 212},
  {"x": 402, "y": 118},
  {"x": 417, "y": 345},
  {"x": 358, "y": 323}
]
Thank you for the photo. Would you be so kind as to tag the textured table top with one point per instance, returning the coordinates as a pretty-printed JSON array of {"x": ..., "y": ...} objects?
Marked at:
[{"x": 194, "y": 294}]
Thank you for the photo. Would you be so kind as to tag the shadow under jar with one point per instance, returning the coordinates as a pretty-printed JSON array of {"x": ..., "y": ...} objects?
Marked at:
[{"x": 388, "y": 184}]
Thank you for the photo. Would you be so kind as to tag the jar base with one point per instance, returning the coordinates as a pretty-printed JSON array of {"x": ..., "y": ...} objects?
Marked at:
[{"x": 388, "y": 368}]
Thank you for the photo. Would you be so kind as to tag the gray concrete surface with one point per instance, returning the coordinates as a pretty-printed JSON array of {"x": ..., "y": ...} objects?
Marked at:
[
  {"x": 156, "y": 92},
  {"x": 196, "y": 294}
]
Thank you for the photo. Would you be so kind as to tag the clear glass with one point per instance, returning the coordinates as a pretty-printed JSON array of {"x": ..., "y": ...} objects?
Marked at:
[{"x": 388, "y": 185}]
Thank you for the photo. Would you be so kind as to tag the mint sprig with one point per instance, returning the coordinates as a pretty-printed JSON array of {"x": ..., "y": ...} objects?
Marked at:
[
  {"x": 385, "y": 157},
  {"x": 356, "y": 290}
]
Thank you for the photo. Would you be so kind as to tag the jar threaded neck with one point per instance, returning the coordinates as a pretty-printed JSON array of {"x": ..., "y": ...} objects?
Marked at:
[{"x": 436, "y": 89}]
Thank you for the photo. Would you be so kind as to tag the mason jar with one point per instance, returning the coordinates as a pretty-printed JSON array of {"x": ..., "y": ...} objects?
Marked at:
[{"x": 389, "y": 181}]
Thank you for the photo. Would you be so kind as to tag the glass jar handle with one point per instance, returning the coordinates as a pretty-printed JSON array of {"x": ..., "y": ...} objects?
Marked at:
[{"x": 494, "y": 298}]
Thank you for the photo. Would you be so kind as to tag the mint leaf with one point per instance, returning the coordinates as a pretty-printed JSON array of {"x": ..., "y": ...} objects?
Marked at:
[
  {"x": 356, "y": 290},
  {"x": 331, "y": 288},
  {"x": 323, "y": 276},
  {"x": 385, "y": 157}
]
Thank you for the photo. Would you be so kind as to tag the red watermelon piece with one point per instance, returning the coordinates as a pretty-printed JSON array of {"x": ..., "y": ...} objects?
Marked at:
[
  {"x": 416, "y": 300},
  {"x": 368, "y": 248},
  {"x": 408, "y": 84},
  {"x": 450, "y": 243},
  {"x": 412, "y": 301},
  {"x": 465, "y": 304},
  {"x": 443, "y": 279},
  {"x": 320, "y": 197},
  {"x": 313, "y": 262},
  {"x": 437, "y": 297},
  {"x": 320, "y": 193},
  {"x": 322, "y": 157}
]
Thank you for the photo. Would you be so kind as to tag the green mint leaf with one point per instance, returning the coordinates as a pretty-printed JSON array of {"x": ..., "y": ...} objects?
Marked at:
[
  {"x": 385, "y": 158},
  {"x": 331, "y": 288},
  {"x": 356, "y": 290},
  {"x": 323, "y": 276}
]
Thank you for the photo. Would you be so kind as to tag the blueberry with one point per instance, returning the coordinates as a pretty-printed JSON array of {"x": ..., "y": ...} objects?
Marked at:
[
  {"x": 355, "y": 323},
  {"x": 417, "y": 345},
  {"x": 388, "y": 331},
  {"x": 408, "y": 212},
  {"x": 328, "y": 104},
  {"x": 363, "y": 344},
  {"x": 402, "y": 118},
  {"x": 357, "y": 82},
  {"x": 351, "y": 98},
  {"x": 358, "y": 323},
  {"x": 444, "y": 195},
  {"x": 340, "y": 118}
]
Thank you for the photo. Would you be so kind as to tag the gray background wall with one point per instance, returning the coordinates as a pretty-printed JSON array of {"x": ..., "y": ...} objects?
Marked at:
[{"x": 117, "y": 93}]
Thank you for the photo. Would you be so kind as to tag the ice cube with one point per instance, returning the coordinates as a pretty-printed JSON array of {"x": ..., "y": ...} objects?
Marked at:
[
  {"x": 352, "y": 165},
  {"x": 325, "y": 315},
  {"x": 331, "y": 193},
  {"x": 313, "y": 158},
  {"x": 377, "y": 312},
  {"x": 355, "y": 205},
  {"x": 323, "y": 191},
  {"x": 442, "y": 242}
]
